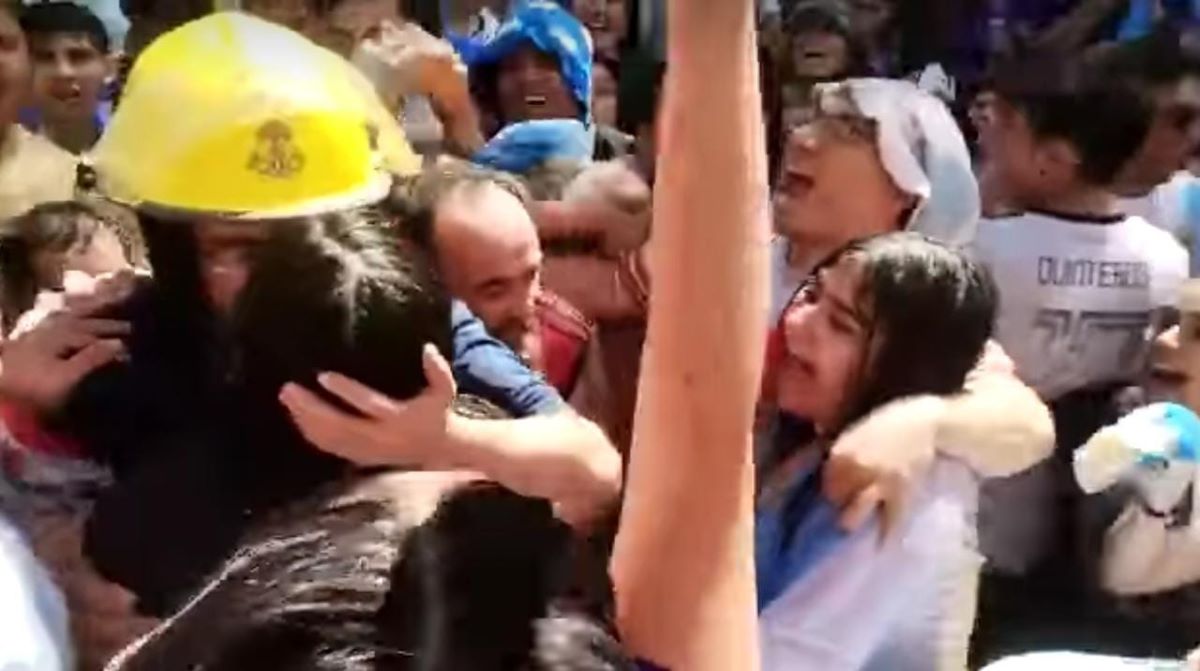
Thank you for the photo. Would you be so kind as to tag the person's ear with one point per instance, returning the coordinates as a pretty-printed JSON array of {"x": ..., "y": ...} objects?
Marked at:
[
  {"x": 1057, "y": 157},
  {"x": 112, "y": 66}
]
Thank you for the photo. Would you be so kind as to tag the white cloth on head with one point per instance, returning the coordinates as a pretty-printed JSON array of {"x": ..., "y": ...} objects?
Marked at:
[{"x": 923, "y": 150}]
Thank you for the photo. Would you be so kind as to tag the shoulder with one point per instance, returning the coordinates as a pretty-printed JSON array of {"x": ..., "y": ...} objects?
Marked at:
[
  {"x": 37, "y": 153},
  {"x": 1008, "y": 232},
  {"x": 1159, "y": 246}
]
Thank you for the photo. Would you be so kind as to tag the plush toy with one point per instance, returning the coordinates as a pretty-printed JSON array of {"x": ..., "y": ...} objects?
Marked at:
[{"x": 1155, "y": 450}]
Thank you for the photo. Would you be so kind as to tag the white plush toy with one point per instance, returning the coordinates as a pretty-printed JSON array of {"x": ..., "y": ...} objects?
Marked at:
[{"x": 1154, "y": 450}]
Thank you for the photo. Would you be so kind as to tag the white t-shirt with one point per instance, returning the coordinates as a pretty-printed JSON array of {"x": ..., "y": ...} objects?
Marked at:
[
  {"x": 1165, "y": 206},
  {"x": 1076, "y": 297},
  {"x": 908, "y": 605},
  {"x": 1175, "y": 208},
  {"x": 1076, "y": 304}
]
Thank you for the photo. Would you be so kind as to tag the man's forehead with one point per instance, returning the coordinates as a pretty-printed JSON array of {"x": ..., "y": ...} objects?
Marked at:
[
  {"x": 61, "y": 40},
  {"x": 479, "y": 220}
]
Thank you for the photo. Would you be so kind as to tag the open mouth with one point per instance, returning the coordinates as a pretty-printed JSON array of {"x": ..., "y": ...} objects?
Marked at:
[
  {"x": 795, "y": 367},
  {"x": 796, "y": 184},
  {"x": 535, "y": 101},
  {"x": 67, "y": 93}
]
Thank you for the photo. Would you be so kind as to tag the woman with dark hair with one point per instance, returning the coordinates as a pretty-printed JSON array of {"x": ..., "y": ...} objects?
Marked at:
[
  {"x": 856, "y": 337},
  {"x": 397, "y": 572}
]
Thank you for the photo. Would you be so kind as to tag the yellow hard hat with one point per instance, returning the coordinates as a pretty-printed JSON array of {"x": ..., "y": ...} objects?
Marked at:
[{"x": 233, "y": 116}]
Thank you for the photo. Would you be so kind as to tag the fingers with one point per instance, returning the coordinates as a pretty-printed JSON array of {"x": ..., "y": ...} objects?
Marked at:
[
  {"x": 842, "y": 481},
  {"x": 893, "y": 509},
  {"x": 322, "y": 425},
  {"x": 93, "y": 356},
  {"x": 63, "y": 334},
  {"x": 438, "y": 373},
  {"x": 860, "y": 510},
  {"x": 361, "y": 397}
]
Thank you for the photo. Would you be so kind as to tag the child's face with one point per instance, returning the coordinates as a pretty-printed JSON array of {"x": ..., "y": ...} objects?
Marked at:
[
  {"x": 68, "y": 75},
  {"x": 101, "y": 255},
  {"x": 827, "y": 338}
]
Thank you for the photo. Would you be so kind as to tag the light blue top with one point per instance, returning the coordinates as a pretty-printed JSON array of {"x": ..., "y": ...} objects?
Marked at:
[{"x": 34, "y": 634}]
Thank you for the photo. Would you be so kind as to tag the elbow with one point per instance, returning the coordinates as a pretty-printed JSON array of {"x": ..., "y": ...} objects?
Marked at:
[
  {"x": 590, "y": 475},
  {"x": 1022, "y": 428},
  {"x": 604, "y": 470}
]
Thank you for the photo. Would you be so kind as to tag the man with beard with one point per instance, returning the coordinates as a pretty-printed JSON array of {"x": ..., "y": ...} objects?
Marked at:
[{"x": 477, "y": 226}]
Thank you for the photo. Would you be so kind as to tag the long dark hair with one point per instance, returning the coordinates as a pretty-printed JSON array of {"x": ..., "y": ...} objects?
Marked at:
[
  {"x": 930, "y": 309},
  {"x": 352, "y": 579}
]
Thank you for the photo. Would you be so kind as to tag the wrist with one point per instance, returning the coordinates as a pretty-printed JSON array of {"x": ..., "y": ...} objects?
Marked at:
[{"x": 452, "y": 450}]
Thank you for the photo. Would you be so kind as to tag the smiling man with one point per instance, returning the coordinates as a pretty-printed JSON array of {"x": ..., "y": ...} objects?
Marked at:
[{"x": 70, "y": 51}]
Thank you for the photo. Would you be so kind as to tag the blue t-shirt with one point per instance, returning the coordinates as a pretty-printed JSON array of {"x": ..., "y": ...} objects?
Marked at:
[{"x": 485, "y": 367}]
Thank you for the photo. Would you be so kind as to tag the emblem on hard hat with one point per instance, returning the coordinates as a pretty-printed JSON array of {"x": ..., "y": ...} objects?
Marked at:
[{"x": 275, "y": 153}]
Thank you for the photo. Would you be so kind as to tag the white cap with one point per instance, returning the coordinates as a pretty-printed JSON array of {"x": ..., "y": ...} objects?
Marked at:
[{"x": 922, "y": 149}]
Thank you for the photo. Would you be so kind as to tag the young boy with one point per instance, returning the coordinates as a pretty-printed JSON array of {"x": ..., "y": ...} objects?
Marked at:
[
  {"x": 32, "y": 170},
  {"x": 71, "y": 67},
  {"x": 1081, "y": 284},
  {"x": 1081, "y": 280}
]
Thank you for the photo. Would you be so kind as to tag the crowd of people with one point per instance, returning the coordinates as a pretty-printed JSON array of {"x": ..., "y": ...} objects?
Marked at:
[{"x": 604, "y": 334}]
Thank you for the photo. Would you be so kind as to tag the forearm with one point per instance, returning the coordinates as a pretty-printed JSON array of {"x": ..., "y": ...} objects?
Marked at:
[
  {"x": 683, "y": 562},
  {"x": 460, "y": 126},
  {"x": 597, "y": 287},
  {"x": 1142, "y": 556},
  {"x": 556, "y": 219},
  {"x": 998, "y": 426},
  {"x": 561, "y": 457}
]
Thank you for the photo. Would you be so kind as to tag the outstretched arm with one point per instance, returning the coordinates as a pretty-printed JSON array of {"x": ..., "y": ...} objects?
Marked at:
[{"x": 683, "y": 563}]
